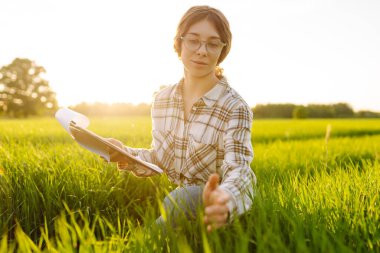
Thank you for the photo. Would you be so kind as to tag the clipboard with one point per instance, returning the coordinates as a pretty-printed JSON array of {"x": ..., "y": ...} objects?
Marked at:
[{"x": 100, "y": 145}]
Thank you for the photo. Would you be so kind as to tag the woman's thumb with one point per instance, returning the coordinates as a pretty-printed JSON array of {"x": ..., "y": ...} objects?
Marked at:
[
  {"x": 213, "y": 181},
  {"x": 211, "y": 185}
]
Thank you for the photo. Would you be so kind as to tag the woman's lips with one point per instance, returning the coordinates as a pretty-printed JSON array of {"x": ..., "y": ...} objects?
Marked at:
[{"x": 199, "y": 62}]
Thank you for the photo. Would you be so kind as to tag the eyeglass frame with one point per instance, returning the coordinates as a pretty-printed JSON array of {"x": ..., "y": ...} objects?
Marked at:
[{"x": 221, "y": 43}]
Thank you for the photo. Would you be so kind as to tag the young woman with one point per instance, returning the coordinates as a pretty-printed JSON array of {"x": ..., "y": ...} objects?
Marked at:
[{"x": 201, "y": 127}]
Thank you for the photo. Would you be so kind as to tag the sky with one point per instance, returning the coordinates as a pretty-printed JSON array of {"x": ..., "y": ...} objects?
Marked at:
[{"x": 283, "y": 51}]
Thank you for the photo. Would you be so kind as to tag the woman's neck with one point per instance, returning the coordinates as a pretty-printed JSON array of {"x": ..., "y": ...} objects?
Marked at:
[
  {"x": 198, "y": 86},
  {"x": 194, "y": 88}
]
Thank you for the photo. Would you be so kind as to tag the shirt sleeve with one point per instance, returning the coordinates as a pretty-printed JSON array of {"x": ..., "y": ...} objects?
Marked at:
[
  {"x": 238, "y": 178},
  {"x": 146, "y": 155}
]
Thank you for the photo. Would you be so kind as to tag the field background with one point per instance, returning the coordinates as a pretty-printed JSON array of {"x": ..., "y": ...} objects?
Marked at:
[{"x": 318, "y": 191}]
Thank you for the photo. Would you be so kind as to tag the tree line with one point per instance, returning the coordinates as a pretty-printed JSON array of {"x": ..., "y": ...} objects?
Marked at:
[
  {"x": 260, "y": 111},
  {"x": 25, "y": 92},
  {"x": 337, "y": 110}
]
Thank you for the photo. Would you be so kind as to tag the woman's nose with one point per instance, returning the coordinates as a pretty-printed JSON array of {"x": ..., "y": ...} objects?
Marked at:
[{"x": 202, "y": 50}]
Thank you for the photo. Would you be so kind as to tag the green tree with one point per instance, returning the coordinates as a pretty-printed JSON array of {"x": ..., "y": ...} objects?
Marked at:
[
  {"x": 367, "y": 114},
  {"x": 274, "y": 110},
  {"x": 24, "y": 91},
  {"x": 300, "y": 112},
  {"x": 343, "y": 110},
  {"x": 320, "y": 111}
]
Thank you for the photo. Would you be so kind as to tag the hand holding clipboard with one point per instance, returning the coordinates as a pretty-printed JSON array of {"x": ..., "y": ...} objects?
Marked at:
[{"x": 76, "y": 123}]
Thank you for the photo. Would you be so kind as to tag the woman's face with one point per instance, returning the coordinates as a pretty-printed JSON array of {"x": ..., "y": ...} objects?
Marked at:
[{"x": 201, "y": 62}]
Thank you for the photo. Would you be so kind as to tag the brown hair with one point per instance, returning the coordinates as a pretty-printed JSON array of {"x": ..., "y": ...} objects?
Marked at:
[{"x": 216, "y": 17}]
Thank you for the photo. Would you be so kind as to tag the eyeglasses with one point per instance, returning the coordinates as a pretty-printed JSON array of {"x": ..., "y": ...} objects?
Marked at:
[{"x": 193, "y": 43}]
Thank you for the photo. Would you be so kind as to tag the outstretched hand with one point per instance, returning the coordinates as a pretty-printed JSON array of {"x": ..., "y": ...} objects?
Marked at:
[{"x": 215, "y": 202}]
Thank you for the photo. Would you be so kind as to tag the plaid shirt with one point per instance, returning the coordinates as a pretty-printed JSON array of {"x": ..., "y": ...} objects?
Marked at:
[{"x": 215, "y": 138}]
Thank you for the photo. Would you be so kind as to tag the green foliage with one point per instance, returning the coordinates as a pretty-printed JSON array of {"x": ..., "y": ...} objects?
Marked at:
[
  {"x": 316, "y": 192},
  {"x": 274, "y": 111},
  {"x": 367, "y": 114},
  {"x": 343, "y": 110},
  {"x": 24, "y": 91},
  {"x": 300, "y": 112},
  {"x": 338, "y": 110}
]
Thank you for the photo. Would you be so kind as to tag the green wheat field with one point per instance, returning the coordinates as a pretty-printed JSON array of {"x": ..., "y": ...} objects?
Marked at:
[{"x": 318, "y": 190}]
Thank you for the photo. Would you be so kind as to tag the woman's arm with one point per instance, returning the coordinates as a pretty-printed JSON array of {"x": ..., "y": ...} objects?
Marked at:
[{"x": 238, "y": 178}]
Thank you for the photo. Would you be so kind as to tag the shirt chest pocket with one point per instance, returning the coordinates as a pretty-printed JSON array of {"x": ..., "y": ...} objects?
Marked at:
[
  {"x": 163, "y": 144},
  {"x": 200, "y": 160}
]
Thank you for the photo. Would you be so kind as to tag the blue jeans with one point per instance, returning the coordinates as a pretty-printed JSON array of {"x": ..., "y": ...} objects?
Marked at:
[{"x": 182, "y": 202}]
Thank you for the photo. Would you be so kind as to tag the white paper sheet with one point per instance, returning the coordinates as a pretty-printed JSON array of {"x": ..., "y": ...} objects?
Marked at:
[{"x": 65, "y": 116}]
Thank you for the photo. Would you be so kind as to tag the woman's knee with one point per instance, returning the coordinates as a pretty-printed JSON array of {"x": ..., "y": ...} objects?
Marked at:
[{"x": 186, "y": 200}]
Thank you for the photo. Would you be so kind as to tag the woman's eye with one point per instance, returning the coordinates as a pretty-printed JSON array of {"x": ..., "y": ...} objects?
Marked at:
[
  {"x": 213, "y": 44},
  {"x": 193, "y": 41}
]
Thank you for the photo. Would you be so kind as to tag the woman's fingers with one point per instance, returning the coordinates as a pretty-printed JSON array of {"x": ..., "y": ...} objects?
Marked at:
[
  {"x": 114, "y": 155},
  {"x": 216, "y": 219},
  {"x": 216, "y": 216},
  {"x": 115, "y": 142},
  {"x": 217, "y": 222},
  {"x": 216, "y": 210},
  {"x": 122, "y": 165},
  {"x": 219, "y": 197}
]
